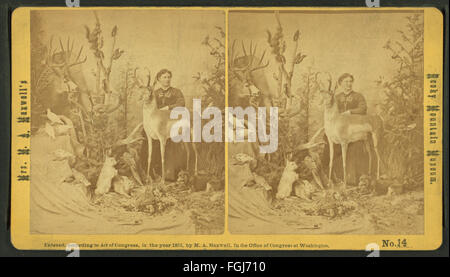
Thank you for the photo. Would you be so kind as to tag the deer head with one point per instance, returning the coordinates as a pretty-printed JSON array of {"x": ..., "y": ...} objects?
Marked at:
[
  {"x": 324, "y": 82},
  {"x": 62, "y": 60},
  {"x": 146, "y": 88},
  {"x": 241, "y": 68}
]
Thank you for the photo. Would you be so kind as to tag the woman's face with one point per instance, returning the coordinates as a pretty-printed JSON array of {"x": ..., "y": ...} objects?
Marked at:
[
  {"x": 165, "y": 79},
  {"x": 347, "y": 84}
]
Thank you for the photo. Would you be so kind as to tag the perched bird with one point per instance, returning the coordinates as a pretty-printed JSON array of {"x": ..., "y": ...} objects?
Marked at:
[
  {"x": 54, "y": 118},
  {"x": 49, "y": 130},
  {"x": 62, "y": 129}
]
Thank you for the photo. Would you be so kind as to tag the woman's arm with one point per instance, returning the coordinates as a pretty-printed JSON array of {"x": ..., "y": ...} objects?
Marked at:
[
  {"x": 178, "y": 99},
  {"x": 361, "y": 106}
]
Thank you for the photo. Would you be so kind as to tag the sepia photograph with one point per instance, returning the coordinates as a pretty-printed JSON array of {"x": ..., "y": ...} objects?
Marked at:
[
  {"x": 104, "y": 84},
  {"x": 227, "y": 129},
  {"x": 348, "y": 86}
]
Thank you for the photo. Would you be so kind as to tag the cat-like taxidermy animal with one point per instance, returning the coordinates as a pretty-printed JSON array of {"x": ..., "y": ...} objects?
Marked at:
[
  {"x": 288, "y": 177},
  {"x": 106, "y": 175}
]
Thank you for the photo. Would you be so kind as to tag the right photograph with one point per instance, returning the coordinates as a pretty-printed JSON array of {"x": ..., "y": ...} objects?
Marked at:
[{"x": 332, "y": 122}]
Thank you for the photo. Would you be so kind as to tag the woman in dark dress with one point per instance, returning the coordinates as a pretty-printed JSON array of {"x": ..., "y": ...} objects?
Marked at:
[
  {"x": 167, "y": 98},
  {"x": 350, "y": 102}
]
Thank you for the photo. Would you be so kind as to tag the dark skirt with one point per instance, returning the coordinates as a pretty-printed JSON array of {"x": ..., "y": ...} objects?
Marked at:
[
  {"x": 357, "y": 162},
  {"x": 175, "y": 159}
]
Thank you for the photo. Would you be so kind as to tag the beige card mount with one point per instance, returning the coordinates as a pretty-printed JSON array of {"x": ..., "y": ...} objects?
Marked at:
[{"x": 227, "y": 128}]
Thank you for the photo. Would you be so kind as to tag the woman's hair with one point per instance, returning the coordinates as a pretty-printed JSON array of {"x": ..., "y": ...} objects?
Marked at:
[
  {"x": 344, "y": 76},
  {"x": 161, "y": 72}
]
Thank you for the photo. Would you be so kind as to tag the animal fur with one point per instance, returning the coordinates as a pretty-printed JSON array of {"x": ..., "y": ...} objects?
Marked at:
[
  {"x": 106, "y": 174},
  {"x": 122, "y": 185},
  {"x": 288, "y": 177},
  {"x": 304, "y": 190}
]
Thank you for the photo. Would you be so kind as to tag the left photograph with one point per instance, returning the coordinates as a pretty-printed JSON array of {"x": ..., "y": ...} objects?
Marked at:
[{"x": 104, "y": 88}]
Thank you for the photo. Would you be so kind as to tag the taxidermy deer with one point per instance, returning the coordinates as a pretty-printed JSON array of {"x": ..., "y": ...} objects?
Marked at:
[
  {"x": 157, "y": 125},
  {"x": 247, "y": 82},
  {"x": 66, "y": 64},
  {"x": 344, "y": 129}
]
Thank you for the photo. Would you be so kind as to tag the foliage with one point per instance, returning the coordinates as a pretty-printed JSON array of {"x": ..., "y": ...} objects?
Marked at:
[
  {"x": 42, "y": 76},
  {"x": 212, "y": 155},
  {"x": 402, "y": 109},
  {"x": 287, "y": 137},
  {"x": 307, "y": 93},
  {"x": 278, "y": 47},
  {"x": 214, "y": 83},
  {"x": 104, "y": 130}
]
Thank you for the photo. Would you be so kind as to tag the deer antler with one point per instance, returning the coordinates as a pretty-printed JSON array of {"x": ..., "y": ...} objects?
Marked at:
[
  {"x": 260, "y": 64},
  {"x": 149, "y": 78},
  {"x": 249, "y": 59},
  {"x": 66, "y": 54},
  {"x": 77, "y": 60},
  {"x": 329, "y": 80}
]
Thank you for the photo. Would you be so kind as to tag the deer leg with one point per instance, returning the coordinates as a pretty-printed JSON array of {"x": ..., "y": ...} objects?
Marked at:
[
  {"x": 330, "y": 167},
  {"x": 194, "y": 146},
  {"x": 162, "y": 144},
  {"x": 186, "y": 147},
  {"x": 149, "y": 160},
  {"x": 375, "y": 148},
  {"x": 344, "y": 147},
  {"x": 369, "y": 153}
]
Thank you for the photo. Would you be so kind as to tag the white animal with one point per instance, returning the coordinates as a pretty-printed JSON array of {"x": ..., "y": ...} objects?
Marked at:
[
  {"x": 288, "y": 177},
  {"x": 62, "y": 129},
  {"x": 49, "y": 130},
  {"x": 106, "y": 175},
  {"x": 54, "y": 118}
]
